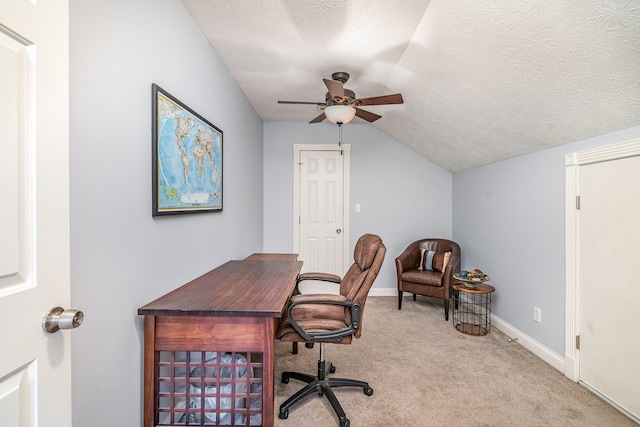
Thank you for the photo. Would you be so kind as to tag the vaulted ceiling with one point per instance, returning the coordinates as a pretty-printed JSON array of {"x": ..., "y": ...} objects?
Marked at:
[{"x": 482, "y": 80}]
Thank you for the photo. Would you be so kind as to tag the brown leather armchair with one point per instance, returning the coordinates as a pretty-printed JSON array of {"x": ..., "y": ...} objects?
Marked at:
[
  {"x": 330, "y": 318},
  {"x": 426, "y": 282}
]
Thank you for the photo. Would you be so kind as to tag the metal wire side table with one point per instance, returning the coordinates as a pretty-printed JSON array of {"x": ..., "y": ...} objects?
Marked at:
[{"x": 472, "y": 308}]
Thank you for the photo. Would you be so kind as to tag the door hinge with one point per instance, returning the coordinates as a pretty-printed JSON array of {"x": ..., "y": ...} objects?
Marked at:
[
  {"x": 577, "y": 342},
  {"x": 578, "y": 202}
]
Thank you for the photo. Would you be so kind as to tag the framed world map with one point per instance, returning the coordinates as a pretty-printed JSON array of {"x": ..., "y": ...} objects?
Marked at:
[{"x": 187, "y": 158}]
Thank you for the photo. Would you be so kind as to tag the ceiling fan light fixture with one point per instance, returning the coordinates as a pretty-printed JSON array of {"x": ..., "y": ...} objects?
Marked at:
[{"x": 340, "y": 114}]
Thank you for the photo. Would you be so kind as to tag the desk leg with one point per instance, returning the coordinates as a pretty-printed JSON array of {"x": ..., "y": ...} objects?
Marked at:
[
  {"x": 150, "y": 372},
  {"x": 268, "y": 395}
]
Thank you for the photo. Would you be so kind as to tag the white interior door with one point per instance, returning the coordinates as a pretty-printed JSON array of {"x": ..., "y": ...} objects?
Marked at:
[
  {"x": 35, "y": 372},
  {"x": 322, "y": 209},
  {"x": 609, "y": 239}
]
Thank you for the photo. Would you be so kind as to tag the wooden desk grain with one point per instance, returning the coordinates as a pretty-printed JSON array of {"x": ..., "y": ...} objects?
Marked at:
[{"x": 237, "y": 288}]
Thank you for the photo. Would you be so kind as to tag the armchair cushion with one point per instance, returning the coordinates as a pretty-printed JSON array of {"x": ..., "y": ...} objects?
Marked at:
[
  {"x": 434, "y": 261},
  {"x": 423, "y": 277}
]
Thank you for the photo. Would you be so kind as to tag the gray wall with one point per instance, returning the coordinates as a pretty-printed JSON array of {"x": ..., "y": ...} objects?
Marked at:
[
  {"x": 509, "y": 218},
  {"x": 403, "y": 196},
  {"x": 122, "y": 258}
]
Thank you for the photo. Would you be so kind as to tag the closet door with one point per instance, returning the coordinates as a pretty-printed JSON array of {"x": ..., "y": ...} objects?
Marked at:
[{"x": 609, "y": 280}]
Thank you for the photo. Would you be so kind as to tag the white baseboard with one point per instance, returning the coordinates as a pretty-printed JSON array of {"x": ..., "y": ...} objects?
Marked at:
[
  {"x": 526, "y": 341},
  {"x": 529, "y": 343},
  {"x": 383, "y": 292}
]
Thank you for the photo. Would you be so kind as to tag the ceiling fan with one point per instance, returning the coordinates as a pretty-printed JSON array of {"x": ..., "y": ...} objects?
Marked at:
[{"x": 341, "y": 104}]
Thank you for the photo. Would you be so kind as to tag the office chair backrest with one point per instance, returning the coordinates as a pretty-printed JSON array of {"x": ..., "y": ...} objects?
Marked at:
[{"x": 368, "y": 256}]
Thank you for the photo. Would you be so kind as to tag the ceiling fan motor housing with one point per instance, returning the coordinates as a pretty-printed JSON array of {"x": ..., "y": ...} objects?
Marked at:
[{"x": 349, "y": 97}]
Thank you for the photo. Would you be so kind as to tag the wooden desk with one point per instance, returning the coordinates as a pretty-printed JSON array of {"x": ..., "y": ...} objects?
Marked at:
[
  {"x": 271, "y": 257},
  {"x": 209, "y": 346}
]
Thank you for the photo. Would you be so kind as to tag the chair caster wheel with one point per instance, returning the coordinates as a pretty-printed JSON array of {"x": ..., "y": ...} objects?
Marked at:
[
  {"x": 345, "y": 423},
  {"x": 368, "y": 391},
  {"x": 332, "y": 370},
  {"x": 285, "y": 380},
  {"x": 283, "y": 415}
]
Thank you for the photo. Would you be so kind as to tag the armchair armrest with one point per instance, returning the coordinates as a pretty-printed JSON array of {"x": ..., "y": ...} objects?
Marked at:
[
  {"x": 407, "y": 261},
  {"x": 446, "y": 280},
  {"x": 331, "y": 300}
]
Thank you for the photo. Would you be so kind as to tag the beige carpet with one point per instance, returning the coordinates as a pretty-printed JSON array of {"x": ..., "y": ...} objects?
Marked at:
[{"x": 425, "y": 373}]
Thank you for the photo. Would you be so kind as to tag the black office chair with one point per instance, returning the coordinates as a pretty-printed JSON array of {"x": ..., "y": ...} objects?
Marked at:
[{"x": 329, "y": 318}]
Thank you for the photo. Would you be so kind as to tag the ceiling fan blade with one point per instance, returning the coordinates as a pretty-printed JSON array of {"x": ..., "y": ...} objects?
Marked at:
[
  {"x": 336, "y": 89},
  {"x": 301, "y": 102},
  {"x": 318, "y": 119},
  {"x": 381, "y": 100},
  {"x": 367, "y": 115}
]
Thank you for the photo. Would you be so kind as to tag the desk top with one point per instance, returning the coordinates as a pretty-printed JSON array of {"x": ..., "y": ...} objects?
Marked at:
[
  {"x": 271, "y": 257},
  {"x": 237, "y": 288}
]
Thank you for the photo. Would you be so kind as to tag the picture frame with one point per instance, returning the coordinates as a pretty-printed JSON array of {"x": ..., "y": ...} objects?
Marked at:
[{"x": 186, "y": 160}]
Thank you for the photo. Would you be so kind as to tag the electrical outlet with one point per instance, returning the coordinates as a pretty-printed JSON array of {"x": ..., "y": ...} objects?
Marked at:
[
  {"x": 357, "y": 207},
  {"x": 537, "y": 315}
]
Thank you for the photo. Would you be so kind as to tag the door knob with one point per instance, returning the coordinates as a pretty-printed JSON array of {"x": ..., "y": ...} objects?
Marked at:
[
  {"x": 59, "y": 318},
  {"x": 338, "y": 231}
]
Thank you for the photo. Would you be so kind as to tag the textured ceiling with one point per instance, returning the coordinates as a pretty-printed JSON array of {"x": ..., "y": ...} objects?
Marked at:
[{"x": 482, "y": 80}]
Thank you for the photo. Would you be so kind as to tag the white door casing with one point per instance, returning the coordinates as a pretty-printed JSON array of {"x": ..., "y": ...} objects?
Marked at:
[
  {"x": 35, "y": 368},
  {"x": 602, "y": 243},
  {"x": 321, "y": 200}
]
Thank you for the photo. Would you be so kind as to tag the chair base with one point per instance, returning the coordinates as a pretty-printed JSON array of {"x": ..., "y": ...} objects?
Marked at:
[{"x": 321, "y": 385}]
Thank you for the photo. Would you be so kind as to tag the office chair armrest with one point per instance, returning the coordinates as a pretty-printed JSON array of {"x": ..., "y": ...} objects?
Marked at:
[
  {"x": 325, "y": 299},
  {"x": 319, "y": 277},
  {"x": 318, "y": 298},
  {"x": 327, "y": 277}
]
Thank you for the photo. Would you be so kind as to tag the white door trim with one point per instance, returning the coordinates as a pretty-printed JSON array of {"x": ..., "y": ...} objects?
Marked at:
[
  {"x": 573, "y": 161},
  {"x": 346, "y": 151}
]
